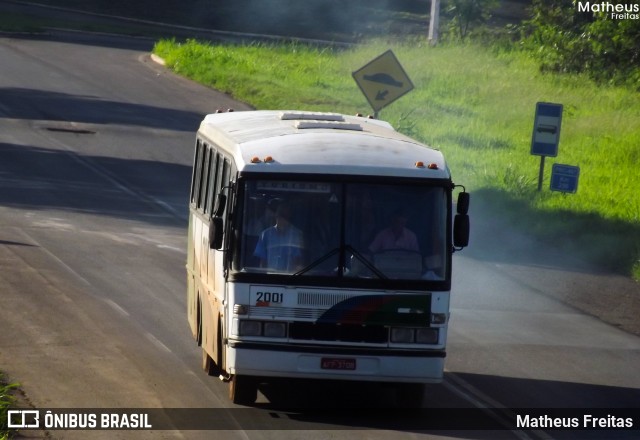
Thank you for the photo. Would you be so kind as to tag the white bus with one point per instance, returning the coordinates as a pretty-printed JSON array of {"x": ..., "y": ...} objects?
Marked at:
[{"x": 320, "y": 247}]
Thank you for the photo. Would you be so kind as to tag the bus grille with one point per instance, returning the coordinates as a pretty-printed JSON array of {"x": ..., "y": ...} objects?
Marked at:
[
  {"x": 331, "y": 332},
  {"x": 325, "y": 299}
]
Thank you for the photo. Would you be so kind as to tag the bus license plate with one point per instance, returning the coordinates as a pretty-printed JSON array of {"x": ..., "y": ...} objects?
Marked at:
[{"x": 337, "y": 364}]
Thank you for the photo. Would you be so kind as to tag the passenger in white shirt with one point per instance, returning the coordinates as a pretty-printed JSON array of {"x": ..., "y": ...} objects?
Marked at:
[{"x": 396, "y": 236}]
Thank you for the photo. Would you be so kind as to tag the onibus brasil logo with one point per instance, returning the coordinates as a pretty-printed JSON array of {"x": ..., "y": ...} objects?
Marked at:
[{"x": 76, "y": 419}]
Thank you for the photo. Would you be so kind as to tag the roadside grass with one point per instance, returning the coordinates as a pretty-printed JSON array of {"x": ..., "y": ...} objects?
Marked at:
[
  {"x": 6, "y": 400},
  {"x": 477, "y": 106},
  {"x": 474, "y": 103}
]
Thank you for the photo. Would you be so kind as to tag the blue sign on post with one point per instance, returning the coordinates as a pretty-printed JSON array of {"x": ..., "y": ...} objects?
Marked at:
[
  {"x": 546, "y": 129},
  {"x": 564, "y": 178}
]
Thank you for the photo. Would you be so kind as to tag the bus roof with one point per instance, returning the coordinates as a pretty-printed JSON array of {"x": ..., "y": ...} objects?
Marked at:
[{"x": 322, "y": 143}]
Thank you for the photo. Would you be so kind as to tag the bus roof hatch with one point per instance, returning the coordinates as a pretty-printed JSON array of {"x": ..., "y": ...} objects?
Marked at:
[
  {"x": 328, "y": 124},
  {"x": 311, "y": 116}
]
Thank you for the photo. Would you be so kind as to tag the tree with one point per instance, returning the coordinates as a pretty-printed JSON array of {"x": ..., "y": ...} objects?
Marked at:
[
  {"x": 568, "y": 39},
  {"x": 464, "y": 14}
]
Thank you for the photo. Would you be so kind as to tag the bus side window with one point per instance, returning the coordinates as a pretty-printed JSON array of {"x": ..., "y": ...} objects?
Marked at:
[
  {"x": 206, "y": 167},
  {"x": 201, "y": 178},
  {"x": 212, "y": 190},
  {"x": 222, "y": 179},
  {"x": 226, "y": 168},
  {"x": 197, "y": 172}
]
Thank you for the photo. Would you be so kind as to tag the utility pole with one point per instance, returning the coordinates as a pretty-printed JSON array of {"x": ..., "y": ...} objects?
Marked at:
[{"x": 434, "y": 22}]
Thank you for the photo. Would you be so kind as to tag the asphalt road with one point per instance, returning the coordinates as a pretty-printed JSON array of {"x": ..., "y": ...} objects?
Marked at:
[{"x": 96, "y": 143}]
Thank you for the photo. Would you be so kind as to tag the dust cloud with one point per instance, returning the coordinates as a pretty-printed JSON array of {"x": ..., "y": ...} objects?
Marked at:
[{"x": 322, "y": 19}]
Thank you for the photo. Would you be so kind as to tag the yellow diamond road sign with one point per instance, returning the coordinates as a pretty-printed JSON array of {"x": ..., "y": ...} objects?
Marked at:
[{"x": 383, "y": 80}]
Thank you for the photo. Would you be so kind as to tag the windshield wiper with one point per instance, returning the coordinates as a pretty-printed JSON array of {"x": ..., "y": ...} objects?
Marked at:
[
  {"x": 366, "y": 262},
  {"x": 333, "y": 252},
  {"x": 316, "y": 262}
]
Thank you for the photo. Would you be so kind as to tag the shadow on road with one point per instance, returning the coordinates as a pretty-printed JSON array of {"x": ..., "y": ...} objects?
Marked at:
[
  {"x": 34, "y": 104},
  {"x": 371, "y": 406},
  {"x": 514, "y": 392},
  {"x": 39, "y": 179},
  {"x": 532, "y": 393},
  {"x": 321, "y": 405}
]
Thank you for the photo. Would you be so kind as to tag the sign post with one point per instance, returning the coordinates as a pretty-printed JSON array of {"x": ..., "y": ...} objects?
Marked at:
[
  {"x": 382, "y": 81},
  {"x": 434, "y": 22},
  {"x": 546, "y": 133}
]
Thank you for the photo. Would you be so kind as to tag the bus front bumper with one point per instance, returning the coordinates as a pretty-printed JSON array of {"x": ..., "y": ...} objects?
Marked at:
[{"x": 336, "y": 363}]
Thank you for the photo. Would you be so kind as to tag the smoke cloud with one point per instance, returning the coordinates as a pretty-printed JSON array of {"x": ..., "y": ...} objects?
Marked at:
[{"x": 323, "y": 19}]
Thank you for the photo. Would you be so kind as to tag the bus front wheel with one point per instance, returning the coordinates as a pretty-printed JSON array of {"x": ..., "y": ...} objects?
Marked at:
[
  {"x": 243, "y": 390},
  {"x": 208, "y": 365}
]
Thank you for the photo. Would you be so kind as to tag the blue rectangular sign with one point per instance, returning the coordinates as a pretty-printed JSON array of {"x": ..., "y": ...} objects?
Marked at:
[
  {"x": 564, "y": 178},
  {"x": 546, "y": 129}
]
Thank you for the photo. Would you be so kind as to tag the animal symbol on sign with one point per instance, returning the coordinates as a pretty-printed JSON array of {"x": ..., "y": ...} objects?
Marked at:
[{"x": 383, "y": 78}]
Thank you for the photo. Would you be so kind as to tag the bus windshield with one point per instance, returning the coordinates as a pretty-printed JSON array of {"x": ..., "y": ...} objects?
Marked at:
[{"x": 342, "y": 229}]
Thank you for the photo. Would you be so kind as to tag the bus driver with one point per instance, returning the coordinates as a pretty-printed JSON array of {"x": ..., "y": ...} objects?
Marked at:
[{"x": 280, "y": 246}]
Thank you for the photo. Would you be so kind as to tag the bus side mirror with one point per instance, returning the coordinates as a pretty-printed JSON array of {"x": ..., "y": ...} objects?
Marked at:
[
  {"x": 216, "y": 228},
  {"x": 461, "y": 222},
  {"x": 463, "y": 203},
  {"x": 461, "y": 231}
]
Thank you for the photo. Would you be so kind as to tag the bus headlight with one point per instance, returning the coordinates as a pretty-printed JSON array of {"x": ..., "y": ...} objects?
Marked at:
[
  {"x": 250, "y": 328},
  {"x": 268, "y": 329},
  {"x": 427, "y": 336},
  {"x": 402, "y": 334},
  {"x": 405, "y": 335},
  {"x": 275, "y": 330}
]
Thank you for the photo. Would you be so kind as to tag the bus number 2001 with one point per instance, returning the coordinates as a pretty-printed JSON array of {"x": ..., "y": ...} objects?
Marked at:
[{"x": 270, "y": 297}]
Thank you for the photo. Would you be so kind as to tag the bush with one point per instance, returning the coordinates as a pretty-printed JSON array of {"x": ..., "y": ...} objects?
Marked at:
[
  {"x": 566, "y": 39},
  {"x": 465, "y": 15},
  {"x": 6, "y": 400}
]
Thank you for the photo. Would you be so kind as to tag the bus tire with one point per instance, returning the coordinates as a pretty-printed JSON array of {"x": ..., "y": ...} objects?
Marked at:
[
  {"x": 199, "y": 321},
  {"x": 243, "y": 390},
  {"x": 208, "y": 365}
]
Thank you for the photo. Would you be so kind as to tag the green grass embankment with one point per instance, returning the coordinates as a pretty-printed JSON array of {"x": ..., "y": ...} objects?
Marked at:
[
  {"x": 477, "y": 106},
  {"x": 6, "y": 400},
  {"x": 474, "y": 104}
]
